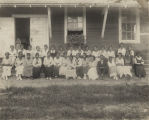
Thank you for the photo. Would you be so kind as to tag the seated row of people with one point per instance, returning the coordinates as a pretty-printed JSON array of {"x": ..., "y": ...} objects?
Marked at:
[{"x": 79, "y": 66}]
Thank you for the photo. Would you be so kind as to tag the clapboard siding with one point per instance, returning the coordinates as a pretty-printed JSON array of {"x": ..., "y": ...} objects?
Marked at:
[
  {"x": 58, "y": 26},
  {"x": 94, "y": 28}
]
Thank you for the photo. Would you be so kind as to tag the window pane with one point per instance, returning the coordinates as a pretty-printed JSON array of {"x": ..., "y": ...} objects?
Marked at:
[{"x": 124, "y": 36}]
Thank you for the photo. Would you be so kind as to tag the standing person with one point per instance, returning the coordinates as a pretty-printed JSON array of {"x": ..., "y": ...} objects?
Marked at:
[
  {"x": 120, "y": 65},
  {"x": 45, "y": 51},
  {"x": 30, "y": 51},
  {"x": 53, "y": 51},
  {"x": 71, "y": 68},
  {"x": 75, "y": 52},
  {"x": 92, "y": 72},
  {"x": 87, "y": 51},
  {"x": 49, "y": 66},
  {"x": 39, "y": 51},
  {"x": 139, "y": 66},
  {"x": 111, "y": 52},
  {"x": 69, "y": 52},
  {"x": 19, "y": 66},
  {"x": 79, "y": 67},
  {"x": 102, "y": 66},
  {"x": 36, "y": 66},
  {"x": 12, "y": 54},
  {"x": 121, "y": 50},
  {"x": 95, "y": 52},
  {"x": 28, "y": 66},
  {"x": 7, "y": 66},
  {"x": 112, "y": 68}
]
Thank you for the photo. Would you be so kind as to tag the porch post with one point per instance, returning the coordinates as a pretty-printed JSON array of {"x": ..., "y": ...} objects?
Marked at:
[
  {"x": 65, "y": 25},
  {"x": 84, "y": 24},
  {"x": 49, "y": 26},
  {"x": 120, "y": 25},
  {"x": 104, "y": 22}
]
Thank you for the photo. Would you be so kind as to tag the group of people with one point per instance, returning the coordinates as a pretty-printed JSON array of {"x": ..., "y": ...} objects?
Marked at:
[{"x": 75, "y": 63}]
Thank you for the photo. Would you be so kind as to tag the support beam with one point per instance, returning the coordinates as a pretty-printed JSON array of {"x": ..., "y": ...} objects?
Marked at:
[
  {"x": 84, "y": 24},
  {"x": 104, "y": 22},
  {"x": 49, "y": 26},
  {"x": 65, "y": 25}
]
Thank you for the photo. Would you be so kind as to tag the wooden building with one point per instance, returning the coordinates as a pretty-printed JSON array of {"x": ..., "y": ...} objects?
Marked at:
[{"x": 56, "y": 22}]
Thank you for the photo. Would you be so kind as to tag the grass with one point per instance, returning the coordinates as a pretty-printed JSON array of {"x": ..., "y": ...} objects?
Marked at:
[{"x": 75, "y": 102}]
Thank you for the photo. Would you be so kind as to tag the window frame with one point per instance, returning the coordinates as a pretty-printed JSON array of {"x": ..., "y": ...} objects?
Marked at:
[{"x": 137, "y": 36}]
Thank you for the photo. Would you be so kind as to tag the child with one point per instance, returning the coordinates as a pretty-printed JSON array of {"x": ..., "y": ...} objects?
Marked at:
[
  {"x": 7, "y": 65},
  {"x": 19, "y": 66},
  {"x": 63, "y": 67},
  {"x": 111, "y": 52},
  {"x": 102, "y": 66},
  {"x": 39, "y": 51},
  {"x": 120, "y": 65},
  {"x": 95, "y": 52},
  {"x": 45, "y": 51},
  {"x": 53, "y": 51},
  {"x": 13, "y": 54},
  {"x": 75, "y": 52},
  {"x": 28, "y": 67},
  {"x": 57, "y": 63},
  {"x": 36, "y": 66},
  {"x": 71, "y": 68},
  {"x": 127, "y": 65},
  {"x": 112, "y": 68},
  {"x": 49, "y": 66},
  {"x": 87, "y": 51},
  {"x": 30, "y": 51},
  {"x": 85, "y": 66},
  {"x": 139, "y": 68},
  {"x": 79, "y": 67},
  {"x": 69, "y": 52},
  {"x": 92, "y": 72}
]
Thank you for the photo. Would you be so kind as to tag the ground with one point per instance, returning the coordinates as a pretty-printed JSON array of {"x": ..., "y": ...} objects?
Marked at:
[{"x": 75, "y": 100}]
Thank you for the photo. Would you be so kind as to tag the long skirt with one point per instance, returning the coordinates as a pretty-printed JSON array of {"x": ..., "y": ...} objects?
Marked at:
[
  {"x": 92, "y": 73},
  {"x": 102, "y": 71},
  {"x": 36, "y": 72},
  {"x": 85, "y": 69},
  {"x": 49, "y": 71},
  {"x": 62, "y": 70},
  {"x": 127, "y": 70},
  {"x": 112, "y": 71},
  {"x": 120, "y": 70},
  {"x": 79, "y": 71},
  {"x": 56, "y": 71},
  {"x": 140, "y": 71},
  {"x": 19, "y": 70},
  {"x": 71, "y": 73},
  {"x": 6, "y": 71},
  {"x": 28, "y": 71}
]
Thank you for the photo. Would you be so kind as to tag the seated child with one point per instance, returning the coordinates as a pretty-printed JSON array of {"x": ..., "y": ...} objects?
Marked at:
[
  {"x": 120, "y": 65},
  {"x": 127, "y": 65},
  {"x": 92, "y": 72},
  {"x": 79, "y": 67},
  {"x": 102, "y": 66},
  {"x": 36, "y": 66},
  {"x": 139, "y": 66},
  {"x": 53, "y": 51},
  {"x": 95, "y": 52},
  {"x": 85, "y": 66},
  {"x": 71, "y": 68},
  {"x": 121, "y": 50},
  {"x": 57, "y": 63},
  {"x": 112, "y": 68},
  {"x": 7, "y": 66},
  {"x": 19, "y": 66},
  {"x": 63, "y": 67},
  {"x": 28, "y": 66}
]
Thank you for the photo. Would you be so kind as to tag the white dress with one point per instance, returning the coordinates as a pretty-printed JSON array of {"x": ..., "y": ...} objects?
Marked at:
[
  {"x": 19, "y": 66},
  {"x": 7, "y": 69},
  {"x": 63, "y": 67},
  {"x": 112, "y": 69},
  {"x": 120, "y": 66},
  {"x": 92, "y": 72}
]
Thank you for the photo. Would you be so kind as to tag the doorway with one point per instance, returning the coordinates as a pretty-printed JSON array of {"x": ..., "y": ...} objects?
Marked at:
[{"x": 22, "y": 30}]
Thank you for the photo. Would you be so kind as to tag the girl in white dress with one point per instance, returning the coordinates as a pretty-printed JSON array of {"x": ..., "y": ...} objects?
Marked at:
[
  {"x": 120, "y": 65},
  {"x": 63, "y": 67},
  {"x": 19, "y": 66},
  {"x": 7, "y": 66},
  {"x": 12, "y": 54},
  {"x": 112, "y": 68},
  {"x": 92, "y": 72}
]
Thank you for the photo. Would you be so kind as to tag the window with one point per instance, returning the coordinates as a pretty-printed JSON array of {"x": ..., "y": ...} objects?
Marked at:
[
  {"x": 129, "y": 26},
  {"x": 75, "y": 23}
]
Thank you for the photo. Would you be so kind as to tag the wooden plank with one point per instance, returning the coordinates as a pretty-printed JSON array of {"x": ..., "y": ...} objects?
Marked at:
[
  {"x": 65, "y": 25},
  {"x": 104, "y": 22},
  {"x": 49, "y": 26}
]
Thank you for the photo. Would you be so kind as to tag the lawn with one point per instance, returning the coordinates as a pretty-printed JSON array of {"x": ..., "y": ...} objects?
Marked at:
[{"x": 77, "y": 102}]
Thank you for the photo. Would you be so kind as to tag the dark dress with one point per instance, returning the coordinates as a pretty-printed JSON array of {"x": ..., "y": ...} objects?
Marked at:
[
  {"x": 102, "y": 67},
  {"x": 139, "y": 67}
]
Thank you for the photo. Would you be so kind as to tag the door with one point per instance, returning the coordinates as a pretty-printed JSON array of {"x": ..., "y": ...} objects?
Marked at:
[{"x": 23, "y": 31}]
